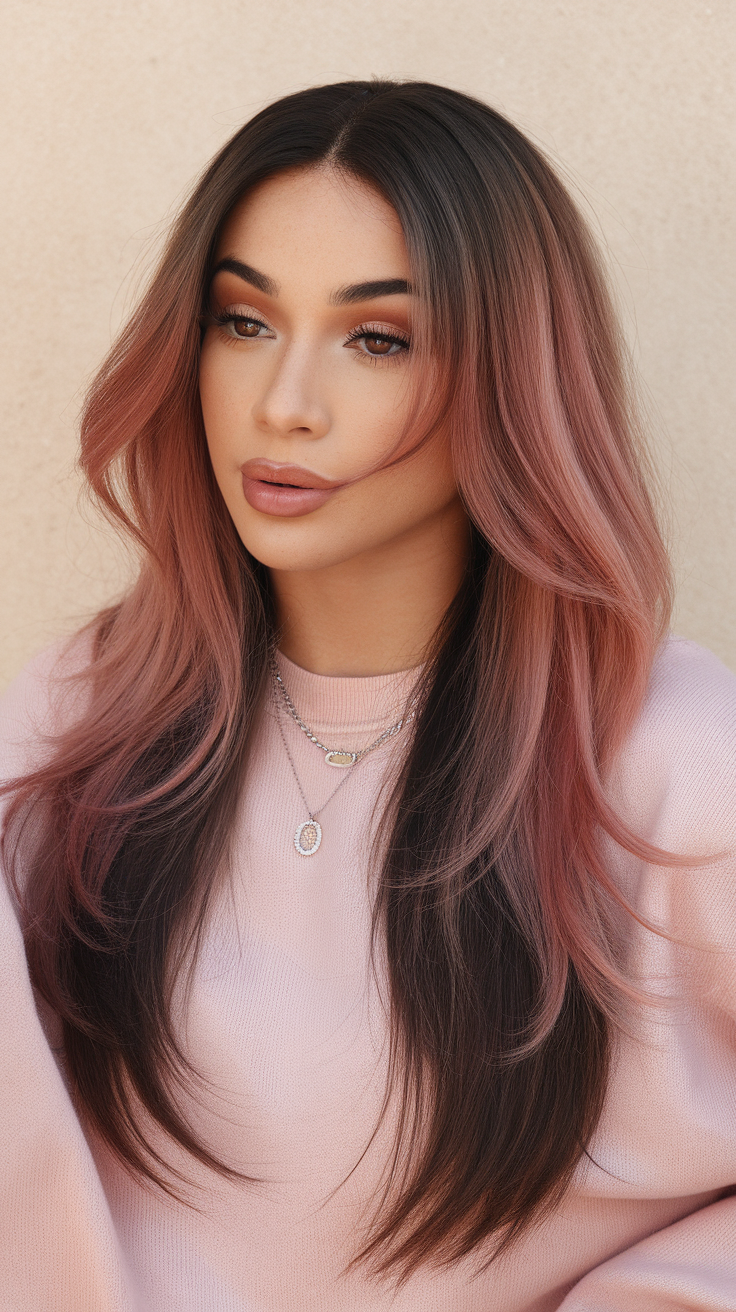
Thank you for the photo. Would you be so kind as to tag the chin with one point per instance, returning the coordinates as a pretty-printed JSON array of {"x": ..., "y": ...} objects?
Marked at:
[{"x": 295, "y": 556}]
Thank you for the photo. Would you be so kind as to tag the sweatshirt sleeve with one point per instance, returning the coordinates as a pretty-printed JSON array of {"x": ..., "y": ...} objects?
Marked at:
[
  {"x": 683, "y": 762},
  {"x": 687, "y": 1267},
  {"x": 58, "y": 1248}
]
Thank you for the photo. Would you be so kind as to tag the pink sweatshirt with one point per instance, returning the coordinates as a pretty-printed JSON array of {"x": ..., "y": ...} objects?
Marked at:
[{"x": 286, "y": 1024}]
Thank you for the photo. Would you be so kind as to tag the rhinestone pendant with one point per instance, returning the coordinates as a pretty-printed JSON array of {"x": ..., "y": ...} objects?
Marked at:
[
  {"x": 341, "y": 759},
  {"x": 308, "y": 837}
]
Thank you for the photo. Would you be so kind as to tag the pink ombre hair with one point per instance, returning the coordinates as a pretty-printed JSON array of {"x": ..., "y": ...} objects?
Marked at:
[{"x": 494, "y": 902}]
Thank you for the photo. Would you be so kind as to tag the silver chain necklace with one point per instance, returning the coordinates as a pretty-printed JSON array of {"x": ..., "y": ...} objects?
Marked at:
[
  {"x": 333, "y": 755},
  {"x": 309, "y": 833}
]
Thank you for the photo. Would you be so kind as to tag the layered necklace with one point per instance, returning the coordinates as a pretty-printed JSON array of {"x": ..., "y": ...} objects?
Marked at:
[{"x": 309, "y": 833}]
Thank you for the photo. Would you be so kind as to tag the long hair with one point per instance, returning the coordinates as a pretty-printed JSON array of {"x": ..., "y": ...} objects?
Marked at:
[{"x": 497, "y": 912}]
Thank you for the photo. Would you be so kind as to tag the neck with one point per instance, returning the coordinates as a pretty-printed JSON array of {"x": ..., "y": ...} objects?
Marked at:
[{"x": 378, "y": 612}]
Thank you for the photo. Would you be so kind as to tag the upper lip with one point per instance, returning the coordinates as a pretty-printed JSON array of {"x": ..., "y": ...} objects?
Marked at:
[{"x": 268, "y": 471}]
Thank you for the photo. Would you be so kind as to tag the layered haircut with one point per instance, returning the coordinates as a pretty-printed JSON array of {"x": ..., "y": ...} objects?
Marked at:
[{"x": 499, "y": 920}]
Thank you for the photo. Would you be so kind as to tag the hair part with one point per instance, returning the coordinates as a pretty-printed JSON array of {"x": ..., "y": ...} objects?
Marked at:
[{"x": 498, "y": 914}]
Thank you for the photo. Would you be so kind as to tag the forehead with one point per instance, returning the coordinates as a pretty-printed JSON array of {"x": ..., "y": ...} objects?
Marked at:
[{"x": 316, "y": 223}]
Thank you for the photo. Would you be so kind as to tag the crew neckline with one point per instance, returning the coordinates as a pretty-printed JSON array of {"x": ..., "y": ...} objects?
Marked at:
[{"x": 357, "y": 702}]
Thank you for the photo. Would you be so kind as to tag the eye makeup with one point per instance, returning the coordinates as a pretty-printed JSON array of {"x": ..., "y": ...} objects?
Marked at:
[{"x": 379, "y": 340}]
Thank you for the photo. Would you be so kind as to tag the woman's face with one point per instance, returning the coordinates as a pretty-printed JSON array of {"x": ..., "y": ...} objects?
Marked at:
[{"x": 305, "y": 376}]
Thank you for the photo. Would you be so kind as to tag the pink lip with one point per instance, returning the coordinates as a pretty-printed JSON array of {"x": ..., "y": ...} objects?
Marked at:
[{"x": 286, "y": 490}]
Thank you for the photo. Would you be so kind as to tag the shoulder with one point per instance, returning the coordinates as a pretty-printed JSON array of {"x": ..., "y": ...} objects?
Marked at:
[
  {"x": 675, "y": 780},
  {"x": 690, "y": 691},
  {"x": 41, "y": 701}
]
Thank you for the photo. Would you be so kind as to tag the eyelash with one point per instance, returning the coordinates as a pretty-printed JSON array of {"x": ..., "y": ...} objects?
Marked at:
[
  {"x": 229, "y": 316},
  {"x": 361, "y": 333},
  {"x": 374, "y": 331}
]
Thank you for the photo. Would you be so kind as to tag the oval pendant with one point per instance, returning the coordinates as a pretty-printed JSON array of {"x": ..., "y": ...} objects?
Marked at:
[
  {"x": 340, "y": 759},
  {"x": 308, "y": 838}
]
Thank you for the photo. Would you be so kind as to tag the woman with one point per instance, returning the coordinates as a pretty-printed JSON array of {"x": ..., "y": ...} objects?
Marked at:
[{"x": 373, "y": 858}]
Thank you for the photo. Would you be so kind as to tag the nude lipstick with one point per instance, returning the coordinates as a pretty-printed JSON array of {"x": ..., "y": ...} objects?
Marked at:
[{"x": 286, "y": 490}]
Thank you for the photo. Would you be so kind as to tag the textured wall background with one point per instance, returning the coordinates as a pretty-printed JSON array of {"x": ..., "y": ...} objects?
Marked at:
[{"x": 109, "y": 111}]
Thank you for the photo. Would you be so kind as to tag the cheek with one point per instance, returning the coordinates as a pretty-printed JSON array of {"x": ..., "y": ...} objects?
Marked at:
[
  {"x": 391, "y": 502},
  {"x": 219, "y": 414},
  {"x": 416, "y": 487},
  {"x": 218, "y": 394}
]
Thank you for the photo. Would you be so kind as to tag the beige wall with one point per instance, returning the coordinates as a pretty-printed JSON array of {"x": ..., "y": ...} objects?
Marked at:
[{"x": 109, "y": 110}]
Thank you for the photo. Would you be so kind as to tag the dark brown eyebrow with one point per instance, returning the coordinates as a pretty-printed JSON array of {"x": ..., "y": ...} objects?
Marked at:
[
  {"x": 248, "y": 274},
  {"x": 357, "y": 291},
  {"x": 368, "y": 291}
]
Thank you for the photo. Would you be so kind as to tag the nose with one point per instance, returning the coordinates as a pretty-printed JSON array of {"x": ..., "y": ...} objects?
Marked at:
[{"x": 292, "y": 403}]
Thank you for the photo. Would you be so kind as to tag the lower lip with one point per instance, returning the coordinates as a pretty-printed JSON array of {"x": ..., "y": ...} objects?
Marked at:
[{"x": 278, "y": 499}]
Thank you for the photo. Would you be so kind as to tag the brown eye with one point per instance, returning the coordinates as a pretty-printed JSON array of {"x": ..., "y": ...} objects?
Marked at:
[
  {"x": 246, "y": 327},
  {"x": 376, "y": 344},
  {"x": 379, "y": 345}
]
